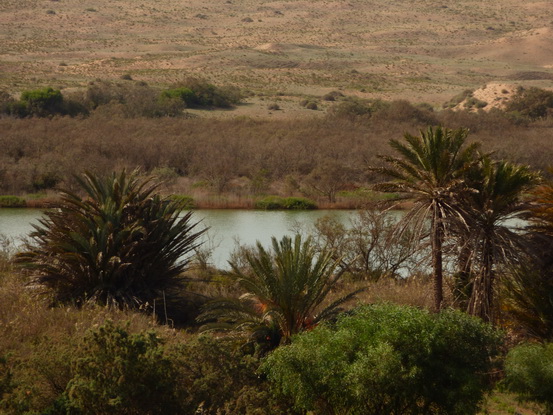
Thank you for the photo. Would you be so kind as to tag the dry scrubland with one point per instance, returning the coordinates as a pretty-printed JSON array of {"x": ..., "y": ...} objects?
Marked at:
[
  {"x": 235, "y": 161},
  {"x": 420, "y": 50}
]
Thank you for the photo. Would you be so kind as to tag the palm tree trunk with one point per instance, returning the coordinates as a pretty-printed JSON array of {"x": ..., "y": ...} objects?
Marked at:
[
  {"x": 481, "y": 301},
  {"x": 437, "y": 253},
  {"x": 462, "y": 288}
]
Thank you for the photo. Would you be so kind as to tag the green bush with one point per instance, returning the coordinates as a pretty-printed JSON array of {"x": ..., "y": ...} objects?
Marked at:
[
  {"x": 299, "y": 203},
  {"x": 529, "y": 373},
  {"x": 186, "y": 95},
  {"x": 43, "y": 102},
  {"x": 285, "y": 203},
  {"x": 388, "y": 359},
  {"x": 186, "y": 202},
  {"x": 204, "y": 94},
  {"x": 122, "y": 373},
  {"x": 12, "y": 201}
]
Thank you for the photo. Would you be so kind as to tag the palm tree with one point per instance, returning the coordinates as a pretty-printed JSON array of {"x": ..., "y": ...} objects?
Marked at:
[
  {"x": 122, "y": 245},
  {"x": 430, "y": 169},
  {"x": 529, "y": 287},
  {"x": 284, "y": 290},
  {"x": 497, "y": 188}
]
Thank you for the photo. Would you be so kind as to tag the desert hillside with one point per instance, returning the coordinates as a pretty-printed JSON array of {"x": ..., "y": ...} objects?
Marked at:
[{"x": 422, "y": 50}]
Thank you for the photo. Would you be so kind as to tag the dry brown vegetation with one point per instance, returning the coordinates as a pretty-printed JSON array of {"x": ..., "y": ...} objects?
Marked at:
[{"x": 231, "y": 162}]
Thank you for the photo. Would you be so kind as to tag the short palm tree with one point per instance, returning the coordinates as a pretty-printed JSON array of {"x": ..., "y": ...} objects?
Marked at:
[
  {"x": 496, "y": 197},
  {"x": 284, "y": 290},
  {"x": 431, "y": 169},
  {"x": 122, "y": 245}
]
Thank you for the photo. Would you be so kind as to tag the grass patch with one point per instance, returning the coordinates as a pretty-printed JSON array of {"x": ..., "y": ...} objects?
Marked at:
[
  {"x": 186, "y": 201},
  {"x": 12, "y": 201}
]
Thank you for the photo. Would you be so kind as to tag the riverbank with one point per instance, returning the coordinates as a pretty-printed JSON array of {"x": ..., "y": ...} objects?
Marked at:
[{"x": 232, "y": 201}]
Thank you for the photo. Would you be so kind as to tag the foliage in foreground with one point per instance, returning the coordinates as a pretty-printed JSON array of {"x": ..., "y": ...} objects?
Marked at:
[
  {"x": 388, "y": 359},
  {"x": 529, "y": 372},
  {"x": 122, "y": 245}
]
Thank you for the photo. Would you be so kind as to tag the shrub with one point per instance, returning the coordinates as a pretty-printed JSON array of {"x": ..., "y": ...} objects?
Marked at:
[
  {"x": 43, "y": 102},
  {"x": 122, "y": 373},
  {"x": 357, "y": 107},
  {"x": 122, "y": 246},
  {"x": 12, "y": 201},
  {"x": 209, "y": 95},
  {"x": 186, "y": 202},
  {"x": 186, "y": 95},
  {"x": 332, "y": 96},
  {"x": 529, "y": 373},
  {"x": 282, "y": 203},
  {"x": 388, "y": 359},
  {"x": 299, "y": 203},
  {"x": 532, "y": 103},
  {"x": 219, "y": 378}
]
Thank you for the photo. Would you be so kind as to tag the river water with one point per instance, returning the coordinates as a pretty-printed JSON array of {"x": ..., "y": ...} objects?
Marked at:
[{"x": 226, "y": 227}]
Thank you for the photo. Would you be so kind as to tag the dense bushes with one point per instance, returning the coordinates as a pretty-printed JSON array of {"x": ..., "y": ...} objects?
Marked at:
[
  {"x": 122, "y": 369},
  {"x": 529, "y": 373},
  {"x": 532, "y": 103},
  {"x": 127, "y": 98},
  {"x": 388, "y": 359},
  {"x": 122, "y": 373}
]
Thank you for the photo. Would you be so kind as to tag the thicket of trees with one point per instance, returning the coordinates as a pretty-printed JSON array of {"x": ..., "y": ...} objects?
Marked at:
[{"x": 323, "y": 159}]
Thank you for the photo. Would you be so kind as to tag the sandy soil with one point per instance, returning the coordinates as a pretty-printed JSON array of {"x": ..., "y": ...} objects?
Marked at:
[{"x": 421, "y": 50}]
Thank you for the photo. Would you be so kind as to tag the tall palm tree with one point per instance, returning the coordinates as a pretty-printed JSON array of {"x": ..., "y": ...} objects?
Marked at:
[
  {"x": 496, "y": 196},
  {"x": 430, "y": 169},
  {"x": 122, "y": 245},
  {"x": 283, "y": 289}
]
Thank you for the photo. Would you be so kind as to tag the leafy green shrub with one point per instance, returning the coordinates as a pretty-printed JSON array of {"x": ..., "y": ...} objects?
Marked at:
[
  {"x": 283, "y": 203},
  {"x": 42, "y": 102},
  {"x": 388, "y": 359},
  {"x": 270, "y": 203},
  {"x": 122, "y": 373},
  {"x": 186, "y": 202},
  {"x": 299, "y": 203},
  {"x": 122, "y": 246},
  {"x": 186, "y": 95},
  {"x": 12, "y": 201},
  {"x": 529, "y": 373}
]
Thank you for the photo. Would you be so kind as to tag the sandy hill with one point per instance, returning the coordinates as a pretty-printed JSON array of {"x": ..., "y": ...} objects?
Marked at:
[{"x": 422, "y": 50}]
